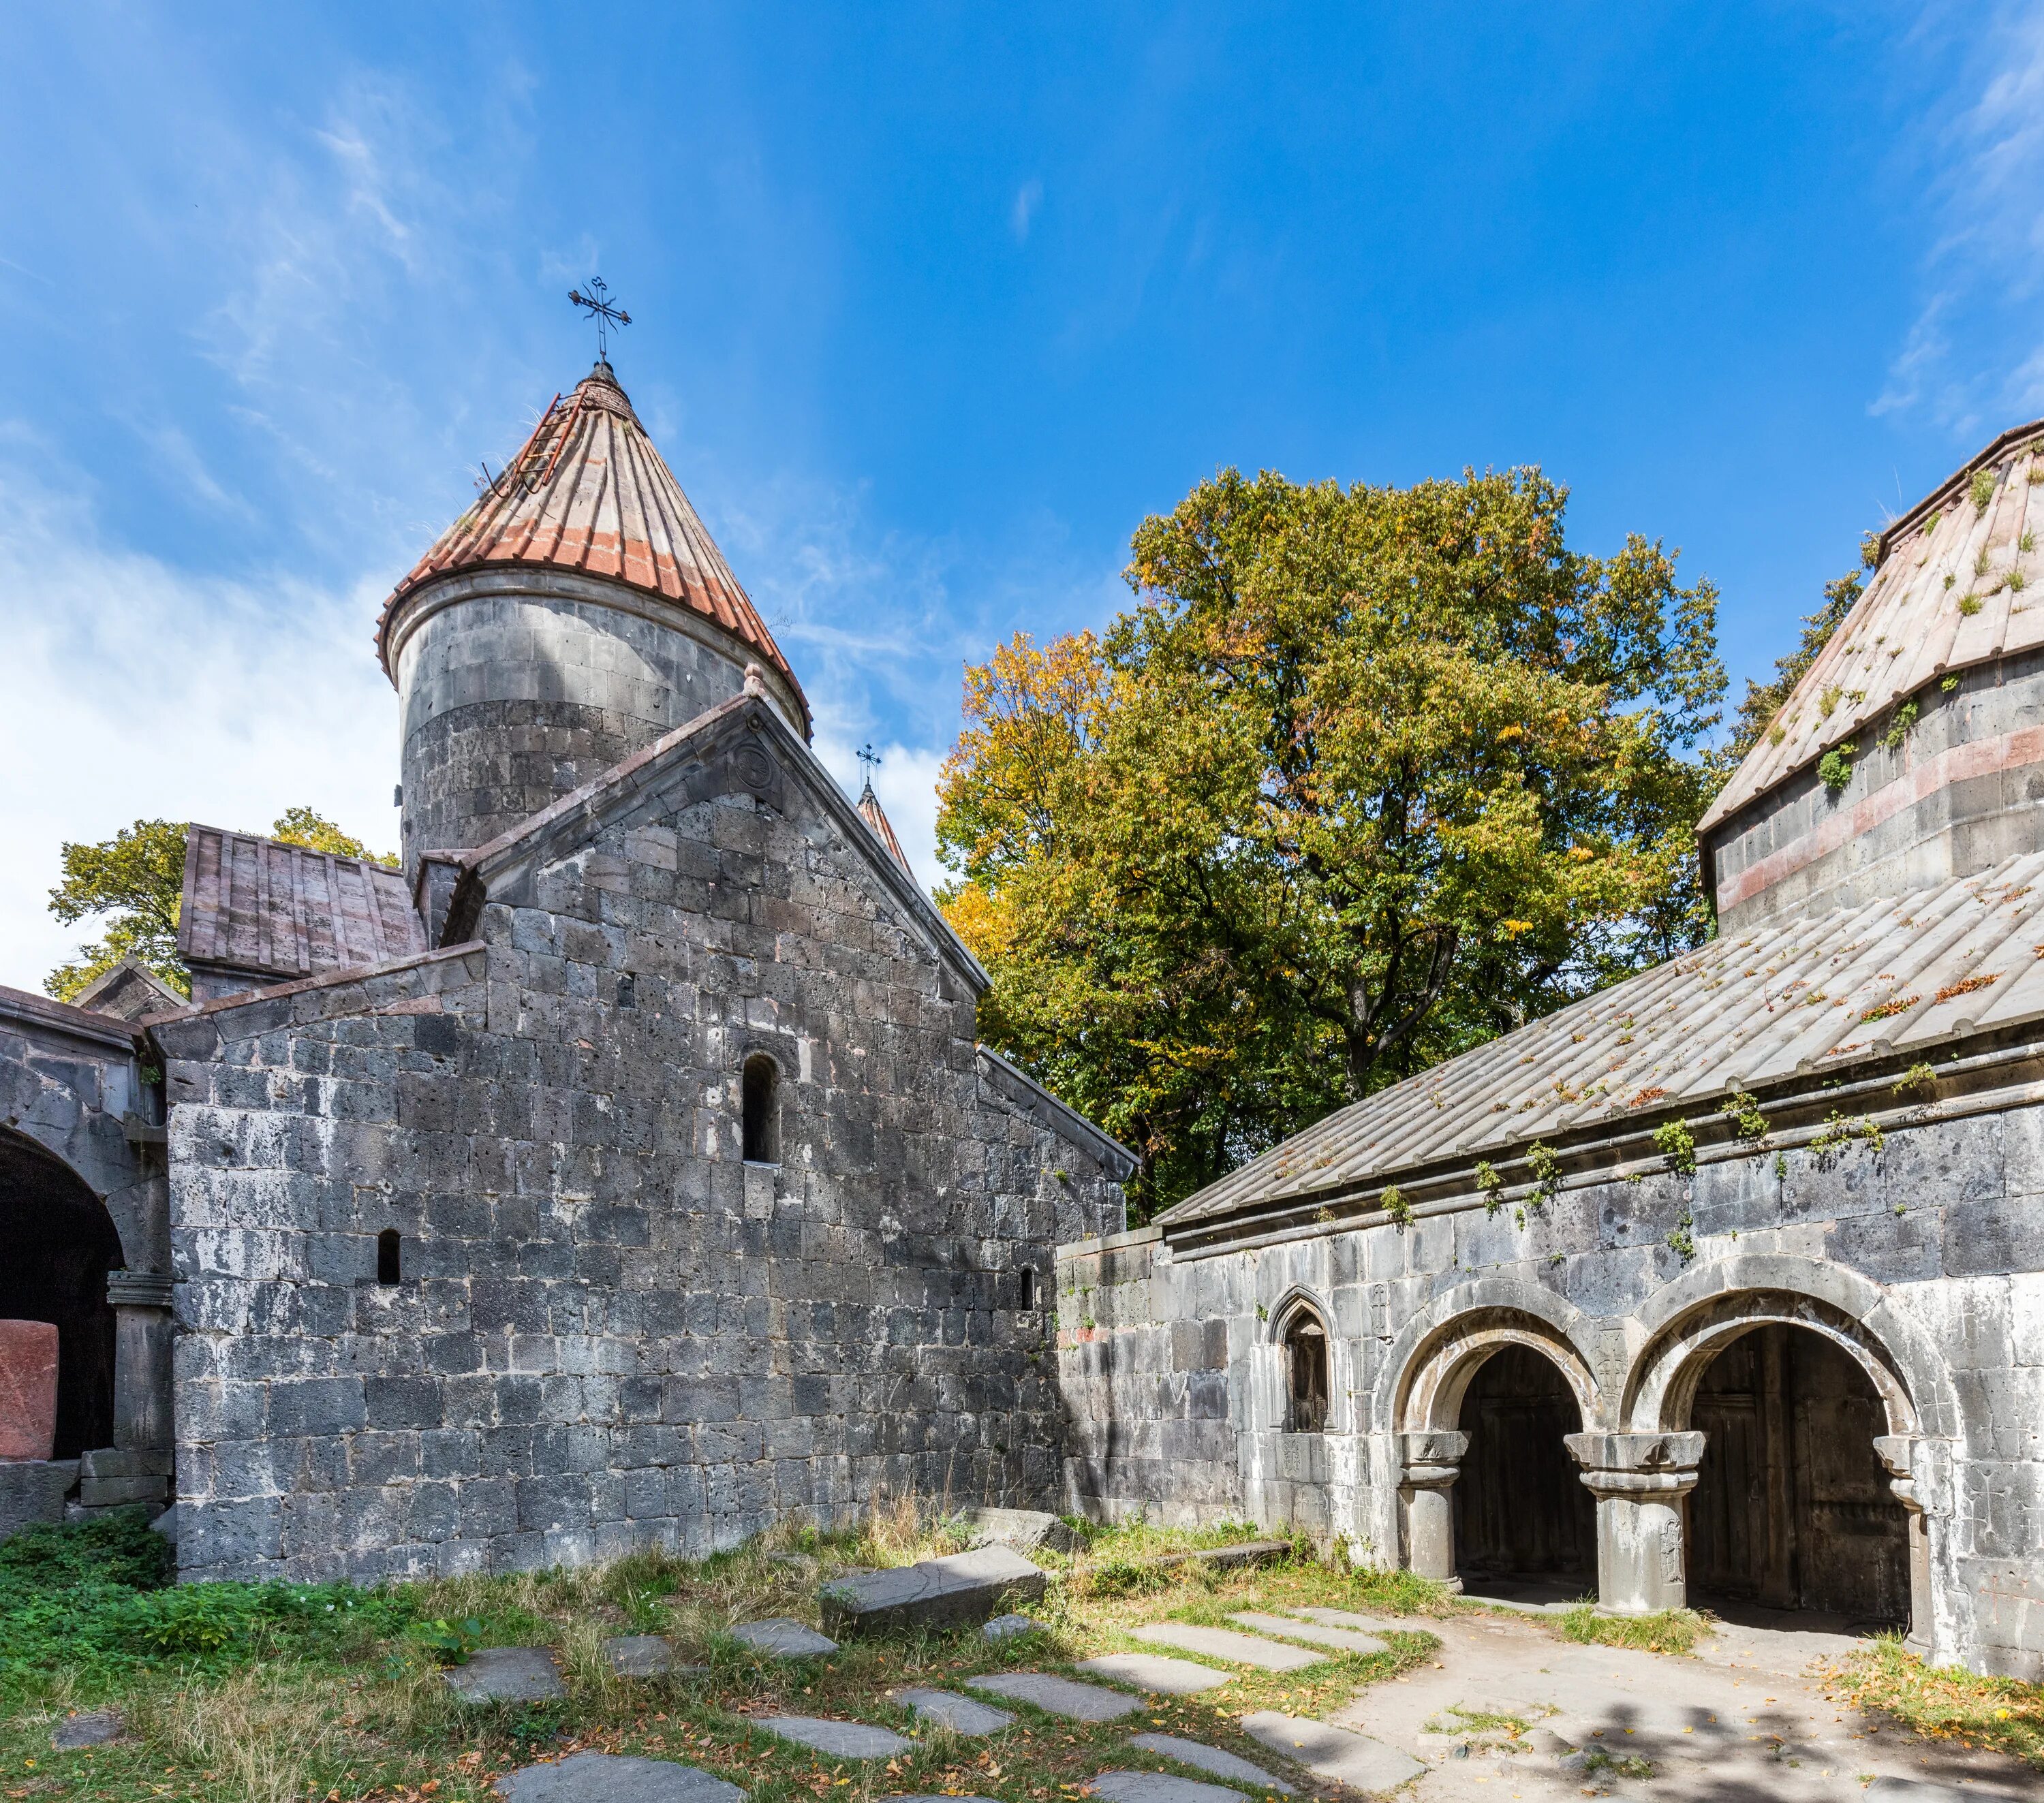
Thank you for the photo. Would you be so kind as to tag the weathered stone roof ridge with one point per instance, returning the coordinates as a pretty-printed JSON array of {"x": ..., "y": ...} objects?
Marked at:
[
  {"x": 1903, "y": 975},
  {"x": 275, "y": 910},
  {"x": 589, "y": 492},
  {"x": 875, "y": 816},
  {"x": 127, "y": 990},
  {"x": 1953, "y": 587},
  {"x": 579, "y": 816},
  {"x": 28, "y": 1007},
  {"x": 339, "y": 979},
  {"x": 1011, "y": 1081}
]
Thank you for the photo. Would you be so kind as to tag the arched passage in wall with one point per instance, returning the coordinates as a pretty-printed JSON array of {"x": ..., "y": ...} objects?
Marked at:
[
  {"x": 1299, "y": 1329},
  {"x": 57, "y": 1243},
  {"x": 1795, "y": 1507}
]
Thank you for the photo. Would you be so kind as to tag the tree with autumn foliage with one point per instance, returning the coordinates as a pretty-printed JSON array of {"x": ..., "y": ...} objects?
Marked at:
[{"x": 1364, "y": 777}]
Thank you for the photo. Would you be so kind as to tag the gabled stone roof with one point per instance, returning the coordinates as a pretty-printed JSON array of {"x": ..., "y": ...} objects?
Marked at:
[
  {"x": 875, "y": 816},
  {"x": 589, "y": 492},
  {"x": 265, "y": 908},
  {"x": 1808, "y": 997},
  {"x": 1953, "y": 586}
]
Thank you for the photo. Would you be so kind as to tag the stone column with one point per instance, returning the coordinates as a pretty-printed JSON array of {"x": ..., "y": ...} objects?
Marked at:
[
  {"x": 1432, "y": 1461},
  {"x": 1903, "y": 1455},
  {"x": 1641, "y": 1484},
  {"x": 137, "y": 1467}
]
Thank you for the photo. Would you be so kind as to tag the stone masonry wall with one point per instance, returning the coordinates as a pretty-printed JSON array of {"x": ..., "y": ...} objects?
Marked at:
[
  {"x": 611, "y": 1331},
  {"x": 1926, "y": 1254}
]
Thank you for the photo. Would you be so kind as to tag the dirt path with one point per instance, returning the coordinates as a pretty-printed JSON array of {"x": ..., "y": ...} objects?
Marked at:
[{"x": 1740, "y": 1721}]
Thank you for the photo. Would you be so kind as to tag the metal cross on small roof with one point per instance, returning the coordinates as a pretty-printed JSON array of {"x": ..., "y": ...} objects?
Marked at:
[
  {"x": 869, "y": 762},
  {"x": 607, "y": 313}
]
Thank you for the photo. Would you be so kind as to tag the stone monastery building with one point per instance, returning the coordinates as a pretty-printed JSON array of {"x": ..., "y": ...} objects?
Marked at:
[{"x": 623, "y": 1170}]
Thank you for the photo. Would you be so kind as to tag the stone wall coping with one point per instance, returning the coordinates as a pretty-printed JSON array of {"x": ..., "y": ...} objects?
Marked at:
[
  {"x": 26, "y": 1009},
  {"x": 1109, "y": 1242},
  {"x": 1120, "y": 1163},
  {"x": 332, "y": 979},
  {"x": 138, "y": 1289}
]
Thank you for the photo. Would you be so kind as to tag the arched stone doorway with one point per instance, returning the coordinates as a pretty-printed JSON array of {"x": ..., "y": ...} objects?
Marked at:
[
  {"x": 1521, "y": 1512},
  {"x": 57, "y": 1244},
  {"x": 1793, "y": 1507}
]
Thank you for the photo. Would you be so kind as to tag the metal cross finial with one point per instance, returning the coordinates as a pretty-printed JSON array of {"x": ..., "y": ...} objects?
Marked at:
[
  {"x": 607, "y": 314},
  {"x": 870, "y": 761}
]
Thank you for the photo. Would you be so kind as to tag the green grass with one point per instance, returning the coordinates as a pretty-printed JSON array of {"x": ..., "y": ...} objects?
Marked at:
[
  {"x": 2001, "y": 1714},
  {"x": 275, "y": 1694},
  {"x": 1671, "y": 1631}
]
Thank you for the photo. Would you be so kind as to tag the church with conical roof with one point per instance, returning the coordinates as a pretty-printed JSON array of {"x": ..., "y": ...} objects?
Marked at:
[{"x": 619, "y": 1171}]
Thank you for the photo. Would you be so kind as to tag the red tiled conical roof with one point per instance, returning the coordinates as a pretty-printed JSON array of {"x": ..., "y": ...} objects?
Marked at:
[
  {"x": 876, "y": 817},
  {"x": 590, "y": 493}
]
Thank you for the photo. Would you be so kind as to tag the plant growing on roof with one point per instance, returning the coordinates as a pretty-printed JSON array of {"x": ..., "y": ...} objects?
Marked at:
[
  {"x": 1546, "y": 1169},
  {"x": 1835, "y": 768},
  {"x": 1743, "y": 1111},
  {"x": 1898, "y": 730},
  {"x": 1969, "y": 605},
  {"x": 1395, "y": 1207},
  {"x": 1839, "y": 1131},
  {"x": 1985, "y": 483},
  {"x": 1677, "y": 1145},
  {"x": 1949, "y": 683},
  {"x": 1919, "y": 1079},
  {"x": 1490, "y": 1185}
]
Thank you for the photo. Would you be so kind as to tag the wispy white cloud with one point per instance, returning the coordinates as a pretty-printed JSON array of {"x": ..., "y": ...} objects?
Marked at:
[{"x": 1023, "y": 213}]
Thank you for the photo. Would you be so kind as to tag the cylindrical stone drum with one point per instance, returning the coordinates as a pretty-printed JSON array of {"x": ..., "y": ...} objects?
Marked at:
[{"x": 28, "y": 1388}]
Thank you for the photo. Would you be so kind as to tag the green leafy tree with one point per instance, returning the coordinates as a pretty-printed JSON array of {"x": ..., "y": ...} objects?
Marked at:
[
  {"x": 135, "y": 881},
  {"x": 1364, "y": 777}
]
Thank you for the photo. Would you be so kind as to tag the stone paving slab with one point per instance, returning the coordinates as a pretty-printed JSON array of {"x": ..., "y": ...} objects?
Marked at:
[
  {"x": 1223, "y": 1643},
  {"x": 842, "y": 1740},
  {"x": 948, "y": 1709},
  {"x": 1154, "y": 1671},
  {"x": 783, "y": 1637},
  {"x": 508, "y": 1674},
  {"x": 965, "y": 1588},
  {"x": 609, "y": 1777},
  {"x": 93, "y": 1729},
  {"x": 1915, "y": 1790},
  {"x": 1159, "y": 1787},
  {"x": 926, "y": 1797},
  {"x": 1328, "y": 1751},
  {"x": 1057, "y": 1695},
  {"x": 1217, "y": 1760},
  {"x": 1362, "y": 1624},
  {"x": 1314, "y": 1633},
  {"x": 1024, "y": 1529},
  {"x": 640, "y": 1656},
  {"x": 1007, "y": 1627}
]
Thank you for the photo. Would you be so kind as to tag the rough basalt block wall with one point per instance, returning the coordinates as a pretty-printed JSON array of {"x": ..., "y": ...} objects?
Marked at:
[
  {"x": 611, "y": 1331},
  {"x": 1926, "y": 1254}
]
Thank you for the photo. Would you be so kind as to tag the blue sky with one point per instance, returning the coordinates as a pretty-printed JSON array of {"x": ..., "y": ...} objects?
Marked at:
[{"x": 932, "y": 304}]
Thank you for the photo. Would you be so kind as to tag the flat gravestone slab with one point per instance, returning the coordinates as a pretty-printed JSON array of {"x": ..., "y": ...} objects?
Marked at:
[
  {"x": 948, "y": 1709},
  {"x": 1007, "y": 1627},
  {"x": 1159, "y": 1787},
  {"x": 92, "y": 1730},
  {"x": 1214, "y": 1759},
  {"x": 840, "y": 1739},
  {"x": 1056, "y": 1696},
  {"x": 1332, "y": 1752},
  {"x": 508, "y": 1674},
  {"x": 640, "y": 1656},
  {"x": 1362, "y": 1624},
  {"x": 927, "y": 1797},
  {"x": 609, "y": 1777},
  {"x": 1024, "y": 1529},
  {"x": 964, "y": 1589},
  {"x": 1223, "y": 1643},
  {"x": 1314, "y": 1633},
  {"x": 783, "y": 1637},
  {"x": 1154, "y": 1671}
]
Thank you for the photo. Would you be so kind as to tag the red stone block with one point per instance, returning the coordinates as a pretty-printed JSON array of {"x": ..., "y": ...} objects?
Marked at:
[{"x": 28, "y": 1388}]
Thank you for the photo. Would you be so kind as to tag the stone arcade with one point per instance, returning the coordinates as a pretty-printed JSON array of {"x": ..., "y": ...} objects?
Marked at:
[
  {"x": 621, "y": 1170},
  {"x": 1788, "y": 1354}
]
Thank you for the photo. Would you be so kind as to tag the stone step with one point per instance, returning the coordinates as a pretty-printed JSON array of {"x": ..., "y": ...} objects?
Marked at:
[
  {"x": 1314, "y": 1633},
  {"x": 640, "y": 1656},
  {"x": 1155, "y": 1671},
  {"x": 1159, "y": 1787},
  {"x": 783, "y": 1637},
  {"x": 948, "y": 1709},
  {"x": 1326, "y": 1751},
  {"x": 1362, "y": 1624},
  {"x": 840, "y": 1739},
  {"x": 1008, "y": 1626},
  {"x": 1024, "y": 1529},
  {"x": 1223, "y": 1643},
  {"x": 93, "y": 1729},
  {"x": 1216, "y": 1760},
  {"x": 964, "y": 1589},
  {"x": 1065, "y": 1696},
  {"x": 508, "y": 1674},
  {"x": 613, "y": 1778}
]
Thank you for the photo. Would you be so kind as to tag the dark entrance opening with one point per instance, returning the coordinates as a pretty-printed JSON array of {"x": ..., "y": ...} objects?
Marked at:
[
  {"x": 1792, "y": 1509},
  {"x": 1306, "y": 1381},
  {"x": 57, "y": 1244},
  {"x": 1521, "y": 1510}
]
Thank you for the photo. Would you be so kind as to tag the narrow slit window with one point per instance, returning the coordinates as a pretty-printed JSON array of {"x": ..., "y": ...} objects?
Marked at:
[
  {"x": 762, "y": 1114},
  {"x": 390, "y": 1257},
  {"x": 1028, "y": 1301},
  {"x": 1306, "y": 1365}
]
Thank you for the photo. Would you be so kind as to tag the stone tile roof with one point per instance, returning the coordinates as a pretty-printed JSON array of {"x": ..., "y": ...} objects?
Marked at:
[
  {"x": 589, "y": 492},
  {"x": 1899, "y": 974},
  {"x": 1953, "y": 586},
  {"x": 875, "y": 816},
  {"x": 255, "y": 905}
]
